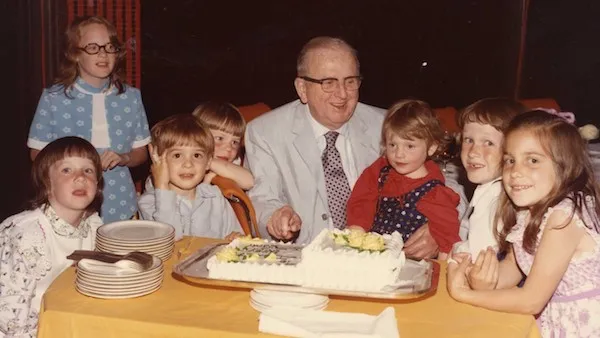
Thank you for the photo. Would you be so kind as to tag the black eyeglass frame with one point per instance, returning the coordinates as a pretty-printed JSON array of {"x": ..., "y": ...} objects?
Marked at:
[
  {"x": 320, "y": 81},
  {"x": 100, "y": 47}
]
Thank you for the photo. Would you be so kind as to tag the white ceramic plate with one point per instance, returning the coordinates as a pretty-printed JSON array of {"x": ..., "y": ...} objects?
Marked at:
[
  {"x": 135, "y": 244},
  {"x": 115, "y": 278},
  {"x": 123, "y": 296},
  {"x": 158, "y": 253},
  {"x": 261, "y": 307},
  {"x": 135, "y": 231},
  {"x": 156, "y": 264},
  {"x": 90, "y": 282},
  {"x": 123, "y": 290},
  {"x": 130, "y": 247},
  {"x": 274, "y": 298}
]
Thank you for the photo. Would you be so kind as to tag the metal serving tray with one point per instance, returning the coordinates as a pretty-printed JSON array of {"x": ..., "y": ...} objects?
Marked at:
[{"x": 418, "y": 279}]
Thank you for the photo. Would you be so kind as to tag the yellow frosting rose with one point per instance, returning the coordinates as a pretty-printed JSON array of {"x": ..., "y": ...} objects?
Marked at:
[
  {"x": 227, "y": 254},
  {"x": 373, "y": 242},
  {"x": 355, "y": 239},
  {"x": 340, "y": 240},
  {"x": 272, "y": 257},
  {"x": 248, "y": 240},
  {"x": 253, "y": 258}
]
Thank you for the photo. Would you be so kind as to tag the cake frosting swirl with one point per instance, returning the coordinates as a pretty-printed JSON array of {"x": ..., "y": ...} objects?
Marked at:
[{"x": 335, "y": 259}]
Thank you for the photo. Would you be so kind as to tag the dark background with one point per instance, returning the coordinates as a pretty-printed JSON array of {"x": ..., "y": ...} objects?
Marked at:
[{"x": 244, "y": 52}]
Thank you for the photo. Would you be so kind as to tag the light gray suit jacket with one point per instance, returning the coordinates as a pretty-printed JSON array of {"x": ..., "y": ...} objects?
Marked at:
[{"x": 283, "y": 155}]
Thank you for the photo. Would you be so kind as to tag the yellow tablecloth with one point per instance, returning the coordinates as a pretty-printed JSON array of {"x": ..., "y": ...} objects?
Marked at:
[{"x": 182, "y": 310}]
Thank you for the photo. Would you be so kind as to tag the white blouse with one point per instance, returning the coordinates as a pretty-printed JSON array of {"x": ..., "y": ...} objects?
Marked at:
[{"x": 34, "y": 245}]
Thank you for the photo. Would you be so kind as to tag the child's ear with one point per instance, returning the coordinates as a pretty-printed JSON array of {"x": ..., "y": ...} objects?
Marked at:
[{"x": 432, "y": 149}]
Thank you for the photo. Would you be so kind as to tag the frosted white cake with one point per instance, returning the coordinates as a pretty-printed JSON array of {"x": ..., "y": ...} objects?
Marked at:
[
  {"x": 348, "y": 260},
  {"x": 335, "y": 259},
  {"x": 257, "y": 260}
]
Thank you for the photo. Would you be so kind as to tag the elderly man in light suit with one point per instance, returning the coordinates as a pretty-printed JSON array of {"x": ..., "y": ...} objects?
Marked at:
[{"x": 286, "y": 149}]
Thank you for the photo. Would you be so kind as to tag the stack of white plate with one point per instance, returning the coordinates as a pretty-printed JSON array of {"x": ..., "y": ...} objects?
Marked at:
[
  {"x": 106, "y": 282},
  {"x": 262, "y": 300},
  {"x": 154, "y": 238}
]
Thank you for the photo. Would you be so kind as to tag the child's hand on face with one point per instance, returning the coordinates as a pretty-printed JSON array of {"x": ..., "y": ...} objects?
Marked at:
[{"x": 160, "y": 170}]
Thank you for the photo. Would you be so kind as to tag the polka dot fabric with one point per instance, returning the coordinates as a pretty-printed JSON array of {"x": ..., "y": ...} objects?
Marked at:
[
  {"x": 336, "y": 182},
  {"x": 399, "y": 213}
]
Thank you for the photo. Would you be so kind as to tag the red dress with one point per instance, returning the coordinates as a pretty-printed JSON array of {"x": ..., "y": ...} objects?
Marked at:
[{"x": 438, "y": 205}]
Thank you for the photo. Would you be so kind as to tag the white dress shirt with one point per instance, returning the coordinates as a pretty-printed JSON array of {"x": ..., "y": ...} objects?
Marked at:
[
  {"x": 342, "y": 144},
  {"x": 481, "y": 221}
]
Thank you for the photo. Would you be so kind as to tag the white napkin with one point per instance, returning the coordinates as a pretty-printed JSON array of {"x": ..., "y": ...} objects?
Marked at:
[{"x": 328, "y": 324}]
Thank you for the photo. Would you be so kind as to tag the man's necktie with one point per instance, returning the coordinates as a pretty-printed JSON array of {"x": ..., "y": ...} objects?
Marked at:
[{"x": 338, "y": 189}]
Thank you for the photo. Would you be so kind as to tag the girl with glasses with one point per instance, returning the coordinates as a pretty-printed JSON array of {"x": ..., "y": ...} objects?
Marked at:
[{"x": 89, "y": 100}]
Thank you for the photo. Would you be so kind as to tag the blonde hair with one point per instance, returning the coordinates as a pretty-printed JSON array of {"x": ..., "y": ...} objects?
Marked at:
[
  {"x": 410, "y": 119},
  {"x": 182, "y": 130},
  {"x": 221, "y": 116}
]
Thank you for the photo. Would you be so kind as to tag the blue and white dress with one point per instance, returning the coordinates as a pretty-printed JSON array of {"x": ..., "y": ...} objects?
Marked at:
[{"x": 109, "y": 121}]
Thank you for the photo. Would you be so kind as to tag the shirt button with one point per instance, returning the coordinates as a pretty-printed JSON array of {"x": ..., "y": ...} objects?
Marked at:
[{"x": 325, "y": 217}]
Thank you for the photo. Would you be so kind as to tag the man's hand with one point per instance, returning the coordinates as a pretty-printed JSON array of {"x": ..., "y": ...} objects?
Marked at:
[
  {"x": 421, "y": 244},
  {"x": 284, "y": 223}
]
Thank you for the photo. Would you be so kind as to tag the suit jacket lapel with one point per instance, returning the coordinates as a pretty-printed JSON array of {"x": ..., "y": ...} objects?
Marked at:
[
  {"x": 361, "y": 147},
  {"x": 306, "y": 145}
]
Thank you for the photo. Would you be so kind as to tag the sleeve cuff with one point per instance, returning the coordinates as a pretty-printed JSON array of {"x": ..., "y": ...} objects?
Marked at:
[
  {"x": 141, "y": 143},
  {"x": 36, "y": 144}
]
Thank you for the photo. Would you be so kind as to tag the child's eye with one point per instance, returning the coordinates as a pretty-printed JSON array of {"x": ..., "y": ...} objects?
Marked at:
[
  {"x": 90, "y": 171},
  {"x": 198, "y": 155},
  {"x": 410, "y": 146},
  {"x": 508, "y": 161},
  {"x": 391, "y": 145},
  {"x": 65, "y": 170},
  {"x": 176, "y": 155},
  {"x": 467, "y": 140},
  {"x": 235, "y": 143},
  {"x": 488, "y": 143},
  {"x": 533, "y": 160},
  {"x": 218, "y": 138}
]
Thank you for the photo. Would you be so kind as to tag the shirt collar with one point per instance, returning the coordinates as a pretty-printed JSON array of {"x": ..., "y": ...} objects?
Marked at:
[
  {"x": 320, "y": 130},
  {"x": 87, "y": 88}
]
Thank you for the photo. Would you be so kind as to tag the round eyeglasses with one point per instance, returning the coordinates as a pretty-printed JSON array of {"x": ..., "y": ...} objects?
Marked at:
[
  {"x": 330, "y": 85},
  {"x": 94, "y": 48}
]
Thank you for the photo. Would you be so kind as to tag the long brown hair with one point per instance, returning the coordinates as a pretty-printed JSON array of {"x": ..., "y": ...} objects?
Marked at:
[
  {"x": 69, "y": 70},
  {"x": 70, "y": 146},
  {"x": 574, "y": 176}
]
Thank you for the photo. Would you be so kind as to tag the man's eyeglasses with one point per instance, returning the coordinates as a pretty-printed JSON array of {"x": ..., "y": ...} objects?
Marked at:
[
  {"x": 330, "y": 85},
  {"x": 94, "y": 48}
]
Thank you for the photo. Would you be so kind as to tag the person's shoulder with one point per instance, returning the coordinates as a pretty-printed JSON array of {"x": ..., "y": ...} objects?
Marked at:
[
  {"x": 54, "y": 91},
  {"x": 277, "y": 116},
  {"x": 24, "y": 229},
  {"x": 208, "y": 191},
  {"x": 363, "y": 108}
]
